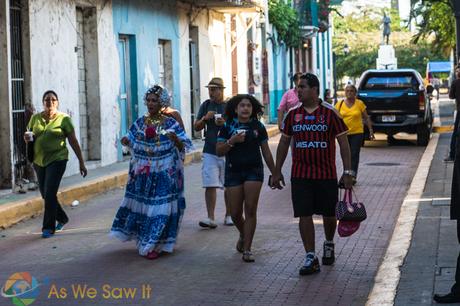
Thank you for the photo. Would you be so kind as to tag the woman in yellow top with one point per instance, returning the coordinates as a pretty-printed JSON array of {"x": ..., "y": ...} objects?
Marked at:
[
  {"x": 354, "y": 114},
  {"x": 50, "y": 130}
]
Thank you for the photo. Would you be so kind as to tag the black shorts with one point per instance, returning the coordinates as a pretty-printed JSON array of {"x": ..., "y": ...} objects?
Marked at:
[
  {"x": 235, "y": 177},
  {"x": 311, "y": 197}
]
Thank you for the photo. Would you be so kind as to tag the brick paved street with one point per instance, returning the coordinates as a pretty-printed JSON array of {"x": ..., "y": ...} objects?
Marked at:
[{"x": 205, "y": 268}]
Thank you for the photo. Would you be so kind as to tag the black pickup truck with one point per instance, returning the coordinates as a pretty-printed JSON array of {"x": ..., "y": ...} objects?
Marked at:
[{"x": 397, "y": 101}]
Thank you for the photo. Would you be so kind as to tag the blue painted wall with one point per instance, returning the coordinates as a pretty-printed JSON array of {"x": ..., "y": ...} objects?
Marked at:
[
  {"x": 148, "y": 21},
  {"x": 279, "y": 67}
]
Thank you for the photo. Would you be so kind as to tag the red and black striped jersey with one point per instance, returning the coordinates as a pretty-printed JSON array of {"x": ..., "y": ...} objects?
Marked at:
[{"x": 313, "y": 137}]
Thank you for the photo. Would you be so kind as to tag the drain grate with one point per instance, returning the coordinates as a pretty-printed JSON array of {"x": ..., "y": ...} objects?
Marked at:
[
  {"x": 440, "y": 202},
  {"x": 383, "y": 164},
  {"x": 445, "y": 271}
]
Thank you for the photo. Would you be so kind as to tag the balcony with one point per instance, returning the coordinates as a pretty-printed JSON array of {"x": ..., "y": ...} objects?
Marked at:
[
  {"x": 314, "y": 15},
  {"x": 230, "y": 6}
]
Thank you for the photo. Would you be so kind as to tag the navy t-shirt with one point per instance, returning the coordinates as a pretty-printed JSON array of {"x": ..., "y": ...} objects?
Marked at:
[
  {"x": 246, "y": 154},
  {"x": 211, "y": 129}
]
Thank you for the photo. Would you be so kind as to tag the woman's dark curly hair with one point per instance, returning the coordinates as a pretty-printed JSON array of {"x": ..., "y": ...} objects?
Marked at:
[{"x": 232, "y": 104}]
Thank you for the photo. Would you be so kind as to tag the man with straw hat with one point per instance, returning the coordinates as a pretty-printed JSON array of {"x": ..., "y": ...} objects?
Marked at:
[{"x": 210, "y": 118}]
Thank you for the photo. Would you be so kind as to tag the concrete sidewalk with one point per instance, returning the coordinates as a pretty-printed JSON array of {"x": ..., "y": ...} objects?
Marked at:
[
  {"x": 429, "y": 265},
  {"x": 18, "y": 207}
]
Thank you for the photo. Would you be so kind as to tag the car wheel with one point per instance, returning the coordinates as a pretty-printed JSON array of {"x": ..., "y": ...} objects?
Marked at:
[{"x": 423, "y": 135}]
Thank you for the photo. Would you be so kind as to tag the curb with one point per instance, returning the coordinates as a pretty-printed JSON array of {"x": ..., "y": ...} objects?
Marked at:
[
  {"x": 388, "y": 275},
  {"x": 21, "y": 210},
  {"x": 443, "y": 129}
]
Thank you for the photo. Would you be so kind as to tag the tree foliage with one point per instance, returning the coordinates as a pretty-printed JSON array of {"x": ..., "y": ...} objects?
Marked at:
[
  {"x": 435, "y": 18},
  {"x": 286, "y": 22},
  {"x": 363, "y": 35}
]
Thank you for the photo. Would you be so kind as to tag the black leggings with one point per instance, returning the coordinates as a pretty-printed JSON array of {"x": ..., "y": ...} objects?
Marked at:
[
  {"x": 49, "y": 178},
  {"x": 355, "y": 141}
]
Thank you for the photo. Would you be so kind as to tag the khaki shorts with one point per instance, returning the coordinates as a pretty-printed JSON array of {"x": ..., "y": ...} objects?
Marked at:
[{"x": 213, "y": 171}]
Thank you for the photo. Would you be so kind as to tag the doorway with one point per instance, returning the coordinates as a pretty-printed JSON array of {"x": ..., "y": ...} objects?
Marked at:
[
  {"x": 195, "y": 99},
  {"x": 128, "y": 109}
]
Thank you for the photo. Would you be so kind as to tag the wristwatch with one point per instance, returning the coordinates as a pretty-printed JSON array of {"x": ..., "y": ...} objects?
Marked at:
[{"x": 349, "y": 172}]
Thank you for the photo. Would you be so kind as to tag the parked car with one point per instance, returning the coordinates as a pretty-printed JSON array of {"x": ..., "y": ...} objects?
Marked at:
[{"x": 397, "y": 101}]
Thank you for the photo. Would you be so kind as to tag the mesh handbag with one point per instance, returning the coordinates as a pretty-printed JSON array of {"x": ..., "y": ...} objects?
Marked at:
[{"x": 347, "y": 210}]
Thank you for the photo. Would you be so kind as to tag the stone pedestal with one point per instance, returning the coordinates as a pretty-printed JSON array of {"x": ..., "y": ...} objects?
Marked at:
[{"x": 387, "y": 58}]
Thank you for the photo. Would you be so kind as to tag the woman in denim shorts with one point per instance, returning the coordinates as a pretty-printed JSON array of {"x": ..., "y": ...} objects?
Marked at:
[{"x": 242, "y": 140}]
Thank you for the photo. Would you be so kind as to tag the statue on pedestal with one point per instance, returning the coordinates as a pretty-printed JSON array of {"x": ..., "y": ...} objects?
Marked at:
[{"x": 386, "y": 29}]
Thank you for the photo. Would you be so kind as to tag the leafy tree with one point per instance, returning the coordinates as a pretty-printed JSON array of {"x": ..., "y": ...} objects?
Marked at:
[
  {"x": 286, "y": 22},
  {"x": 362, "y": 34},
  {"x": 435, "y": 18}
]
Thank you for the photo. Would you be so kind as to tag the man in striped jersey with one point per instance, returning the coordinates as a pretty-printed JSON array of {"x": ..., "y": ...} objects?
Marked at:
[{"x": 313, "y": 126}]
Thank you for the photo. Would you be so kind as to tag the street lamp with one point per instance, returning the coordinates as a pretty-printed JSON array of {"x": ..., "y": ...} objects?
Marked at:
[{"x": 456, "y": 5}]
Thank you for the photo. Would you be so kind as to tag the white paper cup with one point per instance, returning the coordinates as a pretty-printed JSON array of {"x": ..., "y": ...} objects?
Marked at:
[
  {"x": 217, "y": 116},
  {"x": 29, "y": 136}
]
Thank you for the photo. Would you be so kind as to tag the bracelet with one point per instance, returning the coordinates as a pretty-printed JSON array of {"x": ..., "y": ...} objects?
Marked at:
[
  {"x": 349, "y": 172},
  {"x": 231, "y": 146}
]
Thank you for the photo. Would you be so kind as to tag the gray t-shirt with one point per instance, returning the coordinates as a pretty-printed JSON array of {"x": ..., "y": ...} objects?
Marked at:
[{"x": 211, "y": 129}]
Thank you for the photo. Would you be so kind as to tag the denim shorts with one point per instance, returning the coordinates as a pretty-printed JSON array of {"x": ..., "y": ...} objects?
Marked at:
[{"x": 235, "y": 177}]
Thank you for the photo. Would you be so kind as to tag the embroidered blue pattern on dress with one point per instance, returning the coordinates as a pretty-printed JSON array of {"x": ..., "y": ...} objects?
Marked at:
[{"x": 154, "y": 203}]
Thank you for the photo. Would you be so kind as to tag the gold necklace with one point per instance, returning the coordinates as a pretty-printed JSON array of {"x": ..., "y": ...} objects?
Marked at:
[{"x": 153, "y": 120}]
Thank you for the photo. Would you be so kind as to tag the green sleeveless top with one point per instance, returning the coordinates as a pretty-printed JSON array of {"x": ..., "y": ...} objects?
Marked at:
[{"x": 50, "y": 138}]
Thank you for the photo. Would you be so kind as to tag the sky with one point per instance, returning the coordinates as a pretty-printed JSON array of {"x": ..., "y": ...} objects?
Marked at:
[{"x": 350, "y": 6}]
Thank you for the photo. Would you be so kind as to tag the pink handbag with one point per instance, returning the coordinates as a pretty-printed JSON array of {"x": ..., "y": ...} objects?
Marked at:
[{"x": 347, "y": 228}]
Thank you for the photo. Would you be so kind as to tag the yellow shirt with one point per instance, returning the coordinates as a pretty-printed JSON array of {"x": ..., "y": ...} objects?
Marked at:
[{"x": 353, "y": 116}]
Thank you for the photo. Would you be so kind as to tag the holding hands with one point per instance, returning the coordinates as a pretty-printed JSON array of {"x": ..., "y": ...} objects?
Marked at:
[{"x": 276, "y": 180}]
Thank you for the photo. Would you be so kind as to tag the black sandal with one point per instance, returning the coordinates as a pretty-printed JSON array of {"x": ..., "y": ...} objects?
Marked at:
[{"x": 248, "y": 257}]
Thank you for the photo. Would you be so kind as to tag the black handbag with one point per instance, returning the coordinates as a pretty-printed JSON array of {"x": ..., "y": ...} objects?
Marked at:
[
  {"x": 30, "y": 151},
  {"x": 347, "y": 210}
]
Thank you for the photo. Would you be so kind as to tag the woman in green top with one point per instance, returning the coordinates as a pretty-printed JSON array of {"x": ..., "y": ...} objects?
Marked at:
[{"x": 50, "y": 129}]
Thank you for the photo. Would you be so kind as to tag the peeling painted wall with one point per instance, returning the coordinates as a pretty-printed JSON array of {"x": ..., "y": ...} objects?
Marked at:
[
  {"x": 149, "y": 21},
  {"x": 53, "y": 39}
]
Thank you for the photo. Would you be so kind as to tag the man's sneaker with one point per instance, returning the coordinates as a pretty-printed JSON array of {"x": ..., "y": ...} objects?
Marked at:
[
  {"x": 311, "y": 265},
  {"x": 328, "y": 253},
  {"x": 208, "y": 223},
  {"x": 228, "y": 220}
]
